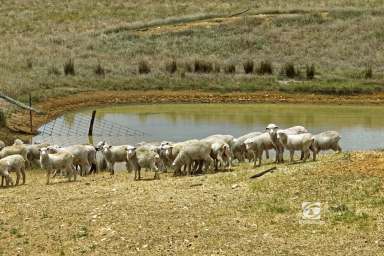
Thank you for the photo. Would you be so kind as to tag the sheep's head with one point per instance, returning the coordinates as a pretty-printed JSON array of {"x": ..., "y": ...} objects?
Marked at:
[
  {"x": 167, "y": 149},
  {"x": 43, "y": 151},
  {"x": 272, "y": 129},
  {"x": 52, "y": 149},
  {"x": 106, "y": 149},
  {"x": 131, "y": 152},
  {"x": 18, "y": 142},
  {"x": 99, "y": 146}
]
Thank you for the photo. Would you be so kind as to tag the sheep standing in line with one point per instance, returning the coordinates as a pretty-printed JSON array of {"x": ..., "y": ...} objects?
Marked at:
[
  {"x": 197, "y": 151},
  {"x": 143, "y": 157},
  {"x": 325, "y": 141},
  {"x": 239, "y": 150},
  {"x": 12, "y": 163},
  {"x": 274, "y": 131},
  {"x": 292, "y": 142},
  {"x": 220, "y": 151},
  {"x": 115, "y": 154},
  {"x": 33, "y": 150},
  {"x": 15, "y": 150},
  {"x": 62, "y": 160},
  {"x": 80, "y": 153},
  {"x": 258, "y": 144}
]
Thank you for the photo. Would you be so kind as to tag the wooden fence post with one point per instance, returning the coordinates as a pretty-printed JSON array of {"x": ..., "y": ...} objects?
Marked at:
[
  {"x": 90, "y": 131},
  {"x": 30, "y": 112}
]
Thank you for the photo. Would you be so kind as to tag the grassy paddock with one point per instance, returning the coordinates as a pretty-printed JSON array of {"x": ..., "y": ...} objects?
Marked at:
[
  {"x": 340, "y": 38},
  {"x": 224, "y": 213}
]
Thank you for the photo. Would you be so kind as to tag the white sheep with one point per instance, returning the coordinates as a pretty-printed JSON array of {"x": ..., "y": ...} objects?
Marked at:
[
  {"x": 199, "y": 151},
  {"x": 115, "y": 154},
  {"x": 258, "y": 144},
  {"x": 143, "y": 157},
  {"x": 16, "y": 150},
  {"x": 292, "y": 142},
  {"x": 81, "y": 155},
  {"x": 12, "y": 163},
  {"x": 325, "y": 141},
  {"x": 62, "y": 160}
]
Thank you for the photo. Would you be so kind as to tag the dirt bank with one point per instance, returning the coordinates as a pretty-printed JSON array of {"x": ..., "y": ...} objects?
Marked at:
[{"x": 56, "y": 106}]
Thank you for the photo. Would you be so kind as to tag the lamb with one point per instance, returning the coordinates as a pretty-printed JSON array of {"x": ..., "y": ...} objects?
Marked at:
[
  {"x": 62, "y": 160},
  {"x": 274, "y": 130},
  {"x": 172, "y": 150},
  {"x": 33, "y": 150},
  {"x": 115, "y": 154},
  {"x": 143, "y": 157},
  {"x": 80, "y": 153},
  {"x": 219, "y": 150},
  {"x": 239, "y": 150},
  {"x": 12, "y": 163},
  {"x": 92, "y": 160},
  {"x": 292, "y": 142},
  {"x": 325, "y": 141},
  {"x": 15, "y": 150},
  {"x": 258, "y": 144},
  {"x": 195, "y": 151}
]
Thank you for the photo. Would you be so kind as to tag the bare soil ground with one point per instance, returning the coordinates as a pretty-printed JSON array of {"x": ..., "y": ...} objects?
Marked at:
[
  {"x": 56, "y": 106},
  {"x": 216, "y": 214}
]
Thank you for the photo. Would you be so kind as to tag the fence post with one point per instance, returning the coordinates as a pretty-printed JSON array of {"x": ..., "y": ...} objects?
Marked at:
[
  {"x": 90, "y": 131},
  {"x": 30, "y": 112}
]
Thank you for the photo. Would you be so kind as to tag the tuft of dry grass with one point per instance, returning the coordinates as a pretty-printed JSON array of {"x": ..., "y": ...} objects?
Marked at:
[
  {"x": 230, "y": 68},
  {"x": 171, "y": 67},
  {"x": 69, "y": 67},
  {"x": 248, "y": 67},
  {"x": 144, "y": 67}
]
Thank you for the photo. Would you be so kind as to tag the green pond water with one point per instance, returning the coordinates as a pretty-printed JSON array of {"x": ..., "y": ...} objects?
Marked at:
[{"x": 361, "y": 127}]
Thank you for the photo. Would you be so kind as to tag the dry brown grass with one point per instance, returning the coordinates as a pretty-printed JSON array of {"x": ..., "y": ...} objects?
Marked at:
[
  {"x": 113, "y": 215},
  {"x": 279, "y": 31}
]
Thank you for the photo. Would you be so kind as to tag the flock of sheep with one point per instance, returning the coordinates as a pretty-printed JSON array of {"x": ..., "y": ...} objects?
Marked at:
[{"x": 187, "y": 157}]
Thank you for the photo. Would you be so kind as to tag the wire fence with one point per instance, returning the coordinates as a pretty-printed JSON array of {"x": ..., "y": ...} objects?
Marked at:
[{"x": 63, "y": 131}]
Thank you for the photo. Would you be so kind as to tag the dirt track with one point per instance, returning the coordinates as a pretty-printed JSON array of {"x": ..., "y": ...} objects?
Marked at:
[{"x": 57, "y": 106}]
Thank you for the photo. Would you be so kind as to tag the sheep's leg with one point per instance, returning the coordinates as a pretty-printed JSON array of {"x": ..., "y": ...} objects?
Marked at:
[
  {"x": 306, "y": 155},
  {"x": 23, "y": 174},
  {"x": 314, "y": 153},
  {"x": 254, "y": 159},
  {"x": 139, "y": 172},
  {"x": 260, "y": 156},
  {"x": 128, "y": 166},
  {"x": 74, "y": 173},
  {"x": 112, "y": 168},
  {"x": 291, "y": 152},
  {"x": 156, "y": 170},
  {"x": 282, "y": 155},
  {"x": 277, "y": 159},
  {"x": 8, "y": 180},
  {"x": 135, "y": 174},
  {"x": 267, "y": 154},
  {"x": 48, "y": 175},
  {"x": 17, "y": 177},
  {"x": 302, "y": 155}
]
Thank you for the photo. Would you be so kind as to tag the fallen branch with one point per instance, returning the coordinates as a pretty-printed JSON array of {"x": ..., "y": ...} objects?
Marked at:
[
  {"x": 196, "y": 185},
  {"x": 263, "y": 172}
]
